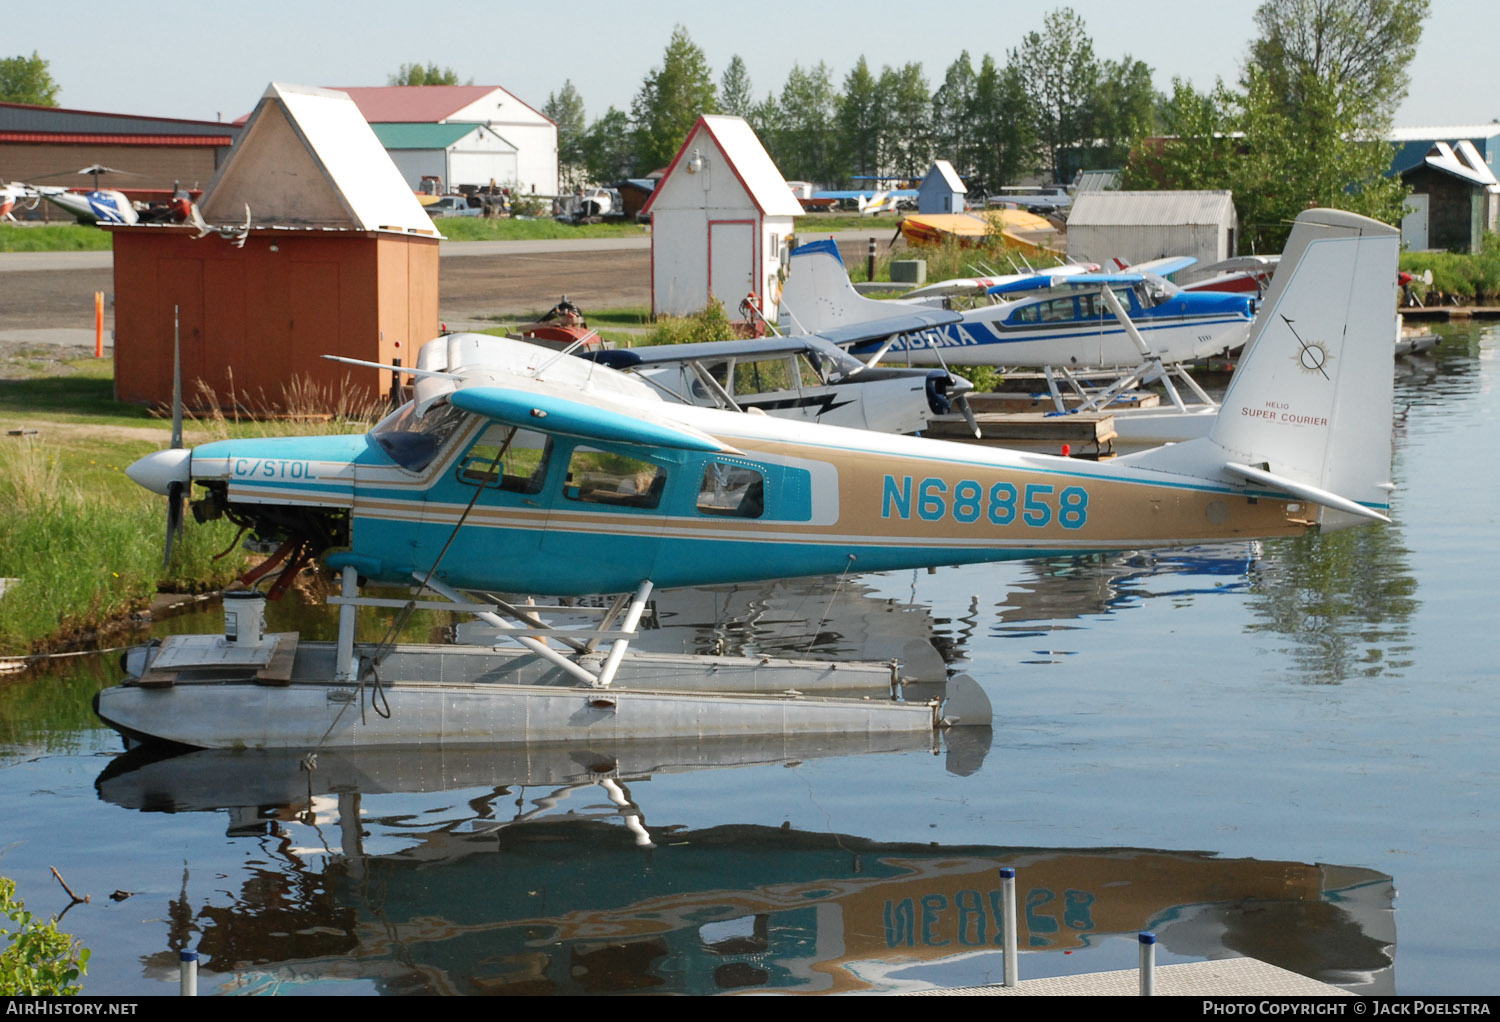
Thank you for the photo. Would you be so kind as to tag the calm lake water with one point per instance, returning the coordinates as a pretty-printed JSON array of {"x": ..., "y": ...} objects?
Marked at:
[{"x": 1286, "y": 750}]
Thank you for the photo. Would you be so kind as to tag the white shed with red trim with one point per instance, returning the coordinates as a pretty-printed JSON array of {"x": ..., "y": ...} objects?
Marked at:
[{"x": 720, "y": 222}]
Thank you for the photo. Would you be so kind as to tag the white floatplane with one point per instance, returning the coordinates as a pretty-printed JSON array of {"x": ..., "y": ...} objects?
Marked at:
[
  {"x": 802, "y": 377},
  {"x": 518, "y": 471}
]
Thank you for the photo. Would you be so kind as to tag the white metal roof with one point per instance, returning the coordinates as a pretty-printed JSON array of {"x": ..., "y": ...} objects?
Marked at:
[
  {"x": 949, "y": 176},
  {"x": 751, "y": 163},
  {"x": 1116, "y": 209},
  {"x": 307, "y": 157},
  {"x": 1424, "y": 133}
]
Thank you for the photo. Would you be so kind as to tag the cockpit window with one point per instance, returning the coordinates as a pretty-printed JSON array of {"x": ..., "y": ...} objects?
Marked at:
[
  {"x": 507, "y": 458},
  {"x": 413, "y": 442}
]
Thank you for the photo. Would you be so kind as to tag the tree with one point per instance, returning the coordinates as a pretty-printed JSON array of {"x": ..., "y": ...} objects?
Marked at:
[
  {"x": 565, "y": 109},
  {"x": 736, "y": 94},
  {"x": 1060, "y": 73},
  {"x": 1366, "y": 44},
  {"x": 1006, "y": 139},
  {"x": 1122, "y": 111},
  {"x": 857, "y": 118},
  {"x": 607, "y": 151},
  {"x": 416, "y": 74},
  {"x": 954, "y": 135},
  {"x": 1320, "y": 87},
  {"x": 1198, "y": 143},
  {"x": 671, "y": 100},
  {"x": 26, "y": 80},
  {"x": 1313, "y": 154},
  {"x": 805, "y": 149},
  {"x": 1309, "y": 128},
  {"x": 906, "y": 117}
]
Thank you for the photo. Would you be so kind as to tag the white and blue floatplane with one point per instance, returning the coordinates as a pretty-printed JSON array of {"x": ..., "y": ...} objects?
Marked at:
[{"x": 516, "y": 470}]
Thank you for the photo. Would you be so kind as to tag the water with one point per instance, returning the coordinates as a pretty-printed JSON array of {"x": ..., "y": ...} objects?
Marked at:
[{"x": 1284, "y": 750}]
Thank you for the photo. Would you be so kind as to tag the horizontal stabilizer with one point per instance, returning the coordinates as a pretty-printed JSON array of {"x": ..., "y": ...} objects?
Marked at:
[
  {"x": 904, "y": 323},
  {"x": 548, "y": 413},
  {"x": 1312, "y": 494}
]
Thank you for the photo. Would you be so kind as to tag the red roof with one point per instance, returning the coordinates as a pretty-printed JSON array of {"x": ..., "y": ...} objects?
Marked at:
[
  {"x": 415, "y": 103},
  {"x": 98, "y": 138}
]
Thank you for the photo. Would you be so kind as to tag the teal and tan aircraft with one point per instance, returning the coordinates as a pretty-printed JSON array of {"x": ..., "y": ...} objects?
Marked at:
[{"x": 519, "y": 469}]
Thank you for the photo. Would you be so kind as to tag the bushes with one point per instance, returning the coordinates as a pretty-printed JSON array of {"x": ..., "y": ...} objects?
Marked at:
[
  {"x": 709, "y": 324},
  {"x": 38, "y": 959},
  {"x": 1473, "y": 277}
]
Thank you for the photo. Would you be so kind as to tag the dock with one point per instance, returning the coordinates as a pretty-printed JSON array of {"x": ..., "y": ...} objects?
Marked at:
[
  {"x": 1227, "y": 977},
  {"x": 1088, "y": 434},
  {"x": 1448, "y": 313}
]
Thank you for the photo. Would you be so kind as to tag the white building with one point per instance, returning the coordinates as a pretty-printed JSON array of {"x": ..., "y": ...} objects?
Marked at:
[
  {"x": 524, "y": 157},
  {"x": 720, "y": 221},
  {"x": 456, "y": 154},
  {"x": 1137, "y": 226}
]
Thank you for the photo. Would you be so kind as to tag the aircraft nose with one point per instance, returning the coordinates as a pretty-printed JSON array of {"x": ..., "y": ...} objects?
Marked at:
[{"x": 159, "y": 469}]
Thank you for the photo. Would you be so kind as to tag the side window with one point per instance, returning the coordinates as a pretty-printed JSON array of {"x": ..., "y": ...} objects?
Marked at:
[
  {"x": 1057, "y": 310},
  {"x": 1025, "y": 314},
  {"x": 731, "y": 491},
  {"x": 506, "y": 458},
  {"x": 602, "y": 477},
  {"x": 766, "y": 375}
]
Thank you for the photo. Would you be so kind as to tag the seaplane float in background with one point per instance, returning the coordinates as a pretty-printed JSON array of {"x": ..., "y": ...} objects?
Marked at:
[
  {"x": 504, "y": 476},
  {"x": 1134, "y": 324},
  {"x": 803, "y": 377}
]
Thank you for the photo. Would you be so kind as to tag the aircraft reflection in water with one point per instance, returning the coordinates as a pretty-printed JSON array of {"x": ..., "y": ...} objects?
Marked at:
[{"x": 576, "y": 889}]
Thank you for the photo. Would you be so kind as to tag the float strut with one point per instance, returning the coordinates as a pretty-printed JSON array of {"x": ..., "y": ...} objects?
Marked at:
[
  {"x": 343, "y": 667},
  {"x": 632, "y": 618}
]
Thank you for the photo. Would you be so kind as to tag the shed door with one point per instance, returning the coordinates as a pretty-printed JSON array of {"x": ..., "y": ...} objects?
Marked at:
[
  {"x": 731, "y": 262},
  {"x": 1414, "y": 223}
]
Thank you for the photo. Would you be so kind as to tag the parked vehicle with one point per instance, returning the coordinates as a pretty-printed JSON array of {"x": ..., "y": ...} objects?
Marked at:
[{"x": 452, "y": 205}]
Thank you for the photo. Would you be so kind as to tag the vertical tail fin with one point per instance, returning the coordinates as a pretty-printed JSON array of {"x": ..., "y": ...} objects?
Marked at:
[
  {"x": 1309, "y": 409},
  {"x": 818, "y": 296}
]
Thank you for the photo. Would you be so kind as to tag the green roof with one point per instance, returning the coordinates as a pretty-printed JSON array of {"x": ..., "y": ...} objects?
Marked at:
[{"x": 422, "y": 136}]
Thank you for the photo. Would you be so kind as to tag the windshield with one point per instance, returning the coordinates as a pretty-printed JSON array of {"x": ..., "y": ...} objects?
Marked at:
[{"x": 411, "y": 442}]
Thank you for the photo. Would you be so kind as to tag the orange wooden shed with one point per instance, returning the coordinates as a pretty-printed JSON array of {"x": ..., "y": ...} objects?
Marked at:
[{"x": 316, "y": 246}]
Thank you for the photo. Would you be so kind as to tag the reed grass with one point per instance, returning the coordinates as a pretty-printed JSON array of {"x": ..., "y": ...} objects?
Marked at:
[
  {"x": 84, "y": 559},
  {"x": 1472, "y": 277}
]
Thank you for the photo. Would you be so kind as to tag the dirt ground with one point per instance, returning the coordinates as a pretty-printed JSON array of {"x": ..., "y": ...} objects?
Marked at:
[{"x": 473, "y": 287}]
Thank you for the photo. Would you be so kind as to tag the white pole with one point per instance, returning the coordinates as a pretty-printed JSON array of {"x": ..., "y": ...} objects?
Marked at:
[
  {"x": 1148, "y": 963},
  {"x": 343, "y": 667},
  {"x": 188, "y": 965},
  {"x": 1008, "y": 890}
]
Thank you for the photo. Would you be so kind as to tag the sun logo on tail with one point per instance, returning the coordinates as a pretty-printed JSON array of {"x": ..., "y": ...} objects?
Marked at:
[{"x": 1312, "y": 356}]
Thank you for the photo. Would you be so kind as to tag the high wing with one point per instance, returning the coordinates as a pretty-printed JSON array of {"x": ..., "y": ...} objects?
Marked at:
[
  {"x": 979, "y": 285},
  {"x": 1081, "y": 278}
]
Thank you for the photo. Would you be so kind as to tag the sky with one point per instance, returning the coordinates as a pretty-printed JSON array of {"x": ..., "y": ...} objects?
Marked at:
[{"x": 214, "y": 63}]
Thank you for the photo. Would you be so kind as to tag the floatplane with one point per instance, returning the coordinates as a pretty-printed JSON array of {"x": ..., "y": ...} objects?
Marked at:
[
  {"x": 803, "y": 377},
  {"x": 1134, "y": 324},
  {"x": 518, "y": 470}
]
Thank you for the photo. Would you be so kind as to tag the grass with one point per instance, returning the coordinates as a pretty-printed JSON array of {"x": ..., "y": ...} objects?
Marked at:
[
  {"x": 1475, "y": 278},
  {"x": 486, "y": 229},
  {"x": 69, "y": 237},
  {"x": 85, "y": 541}
]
